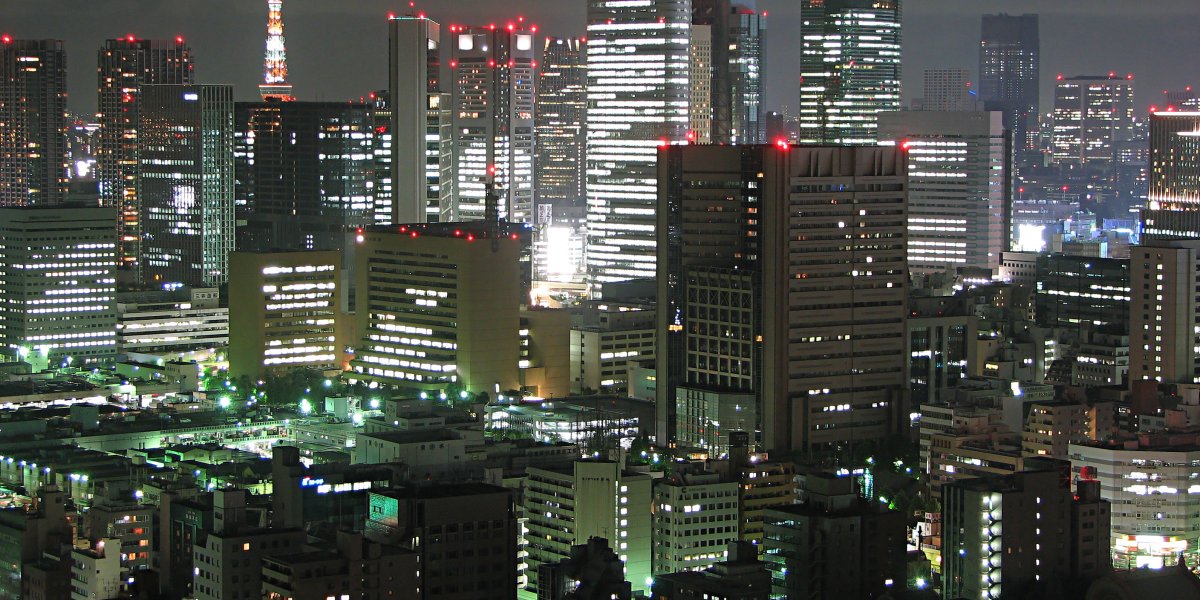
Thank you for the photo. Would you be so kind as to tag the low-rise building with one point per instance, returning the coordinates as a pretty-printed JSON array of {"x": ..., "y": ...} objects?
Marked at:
[
  {"x": 605, "y": 336},
  {"x": 352, "y": 567},
  {"x": 186, "y": 322},
  {"x": 696, "y": 516}
]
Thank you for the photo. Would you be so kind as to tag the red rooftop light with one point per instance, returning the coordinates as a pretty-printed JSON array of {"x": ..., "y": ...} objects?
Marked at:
[{"x": 7, "y": 39}]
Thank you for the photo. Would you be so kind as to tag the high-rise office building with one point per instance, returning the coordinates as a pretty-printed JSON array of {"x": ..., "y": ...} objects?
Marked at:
[
  {"x": 58, "y": 283},
  {"x": 439, "y": 304},
  {"x": 788, "y": 286},
  {"x": 275, "y": 84},
  {"x": 637, "y": 90},
  {"x": 958, "y": 166},
  {"x": 124, "y": 65},
  {"x": 1009, "y": 66},
  {"x": 185, "y": 185},
  {"x": 561, "y": 123},
  {"x": 493, "y": 86},
  {"x": 849, "y": 68},
  {"x": 381, "y": 148},
  {"x": 1093, "y": 119},
  {"x": 1082, "y": 292},
  {"x": 304, "y": 174},
  {"x": 421, "y": 168},
  {"x": 33, "y": 122},
  {"x": 284, "y": 310},
  {"x": 728, "y": 61},
  {"x": 700, "y": 103},
  {"x": 947, "y": 90},
  {"x": 1173, "y": 205},
  {"x": 1164, "y": 310}
]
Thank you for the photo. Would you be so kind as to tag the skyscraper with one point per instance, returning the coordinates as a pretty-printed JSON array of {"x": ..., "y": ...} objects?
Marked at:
[
  {"x": 421, "y": 181},
  {"x": 304, "y": 174},
  {"x": 275, "y": 84},
  {"x": 561, "y": 123},
  {"x": 126, "y": 64},
  {"x": 1173, "y": 207},
  {"x": 849, "y": 68},
  {"x": 726, "y": 80},
  {"x": 58, "y": 284},
  {"x": 493, "y": 87},
  {"x": 638, "y": 72},
  {"x": 958, "y": 167},
  {"x": 185, "y": 184},
  {"x": 1093, "y": 119},
  {"x": 381, "y": 148},
  {"x": 781, "y": 283},
  {"x": 1009, "y": 63},
  {"x": 33, "y": 122}
]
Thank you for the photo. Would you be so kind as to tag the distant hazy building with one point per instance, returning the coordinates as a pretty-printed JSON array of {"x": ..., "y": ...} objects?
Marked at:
[
  {"x": 727, "y": 76},
  {"x": 1093, "y": 118},
  {"x": 284, "y": 311},
  {"x": 849, "y": 68},
  {"x": 124, "y": 66},
  {"x": 33, "y": 111},
  {"x": 1173, "y": 205},
  {"x": 1009, "y": 68},
  {"x": 748, "y": 306},
  {"x": 58, "y": 283},
  {"x": 947, "y": 90},
  {"x": 958, "y": 174},
  {"x": 561, "y": 124},
  {"x": 185, "y": 191},
  {"x": 638, "y": 91}
]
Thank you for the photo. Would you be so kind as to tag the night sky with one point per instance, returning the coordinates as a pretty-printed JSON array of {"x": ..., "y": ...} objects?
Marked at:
[{"x": 337, "y": 48}]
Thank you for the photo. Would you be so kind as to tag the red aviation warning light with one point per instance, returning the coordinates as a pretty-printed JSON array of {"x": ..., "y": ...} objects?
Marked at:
[
  {"x": 691, "y": 136},
  {"x": 179, "y": 39},
  {"x": 905, "y": 145},
  {"x": 7, "y": 39},
  {"x": 782, "y": 144},
  {"x": 129, "y": 38},
  {"x": 663, "y": 142}
]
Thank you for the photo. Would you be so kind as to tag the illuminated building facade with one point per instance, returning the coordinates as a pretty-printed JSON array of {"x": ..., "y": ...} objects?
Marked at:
[
  {"x": 638, "y": 91},
  {"x": 1093, "y": 119},
  {"x": 439, "y": 304},
  {"x": 680, "y": 502},
  {"x": 1082, "y": 292},
  {"x": 1002, "y": 535},
  {"x": 769, "y": 257},
  {"x": 304, "y": 174},
  {"x": 33, "y": 122},
  {"x": 493, "y": 89},
  {"x": 849, "y": 68},
  {"x": 1173, "y": 207},
  {"x": 125, "y": 65},
  {"x": 958, "y": 176},
  {"x": 1164, "y": 342},
  {"x": 171, "y": 323},
  {"x": 422, "y": 183},
  {"x": 700, "y": 103},
  {"x": 275, "y": 84},
  {"x": 58, "y": 283},
  {"x": 1152, "y": 490},
  {"x": 381, "y": 148},
  {"x": 605, "y": 337},
  {"x": 1009, "y": 66},
  {"x": 185, "y": 184},
  {"x": 568, "y": 506},
  {"x": 561, "y": 123},
  {"x": 283, "y": 311}
]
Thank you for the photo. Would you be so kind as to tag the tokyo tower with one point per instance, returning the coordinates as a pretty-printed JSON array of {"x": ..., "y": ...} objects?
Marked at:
[{"x": 275, "y": 85}]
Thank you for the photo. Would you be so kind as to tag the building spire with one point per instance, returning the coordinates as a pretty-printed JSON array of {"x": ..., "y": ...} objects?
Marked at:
[{"x": 275, "y": 85}]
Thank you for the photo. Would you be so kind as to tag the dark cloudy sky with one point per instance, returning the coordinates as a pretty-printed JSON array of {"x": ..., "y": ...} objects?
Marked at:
[{"x": 337, "y": 48}]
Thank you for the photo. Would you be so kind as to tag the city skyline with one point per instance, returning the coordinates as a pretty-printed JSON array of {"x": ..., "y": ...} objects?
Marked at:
[{"x": 1079, "y": 38}]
